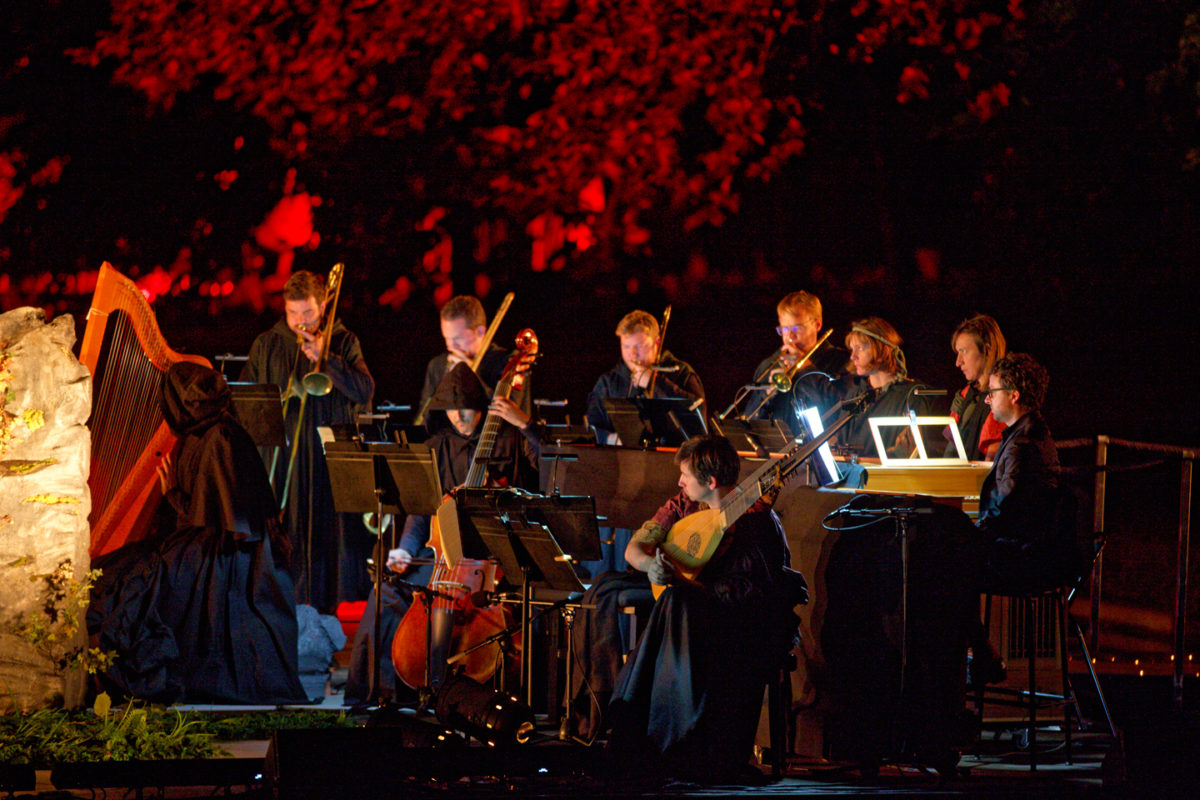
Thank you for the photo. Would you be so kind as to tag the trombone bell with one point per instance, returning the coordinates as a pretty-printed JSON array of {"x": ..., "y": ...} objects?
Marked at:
[{"x": 317, "y": 383}]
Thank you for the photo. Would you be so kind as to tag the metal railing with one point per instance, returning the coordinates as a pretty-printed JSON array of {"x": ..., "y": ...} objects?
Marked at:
[{"x": 1187, "y": 457}]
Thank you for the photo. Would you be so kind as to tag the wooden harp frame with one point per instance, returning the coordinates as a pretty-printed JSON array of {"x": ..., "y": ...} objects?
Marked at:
[{"x": 127, "y": 356}]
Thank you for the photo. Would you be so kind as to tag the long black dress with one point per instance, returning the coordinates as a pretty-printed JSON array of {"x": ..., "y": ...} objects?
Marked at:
[
  {"x": 201, "y": 613},
  {"x": 687, "y": 702}
]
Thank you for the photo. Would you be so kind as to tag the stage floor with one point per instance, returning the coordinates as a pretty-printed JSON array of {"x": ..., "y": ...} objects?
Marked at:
[{"x": 1001, "y": 769}]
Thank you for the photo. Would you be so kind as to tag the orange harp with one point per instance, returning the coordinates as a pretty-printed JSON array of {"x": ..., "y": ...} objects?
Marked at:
[{"x": 128, "y": 357}]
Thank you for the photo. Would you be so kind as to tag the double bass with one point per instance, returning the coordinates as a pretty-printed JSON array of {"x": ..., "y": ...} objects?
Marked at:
[{"x": 432, "y": 632}]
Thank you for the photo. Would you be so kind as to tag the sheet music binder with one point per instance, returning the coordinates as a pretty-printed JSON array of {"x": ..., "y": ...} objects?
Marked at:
[
  {"x": 658, "y": 421},
  {"x": 259, "y": 408},
  {"x": 406, "y": 476}
]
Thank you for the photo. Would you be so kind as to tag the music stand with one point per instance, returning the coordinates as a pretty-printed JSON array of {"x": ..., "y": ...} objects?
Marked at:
[
  {"x": 654, "y": 421},
  {"x": 382, "y": 478},
  {"x": 760, "y": 436},
  {"x": 260, "y": 410},
  {"x": 514, "y": 528}
]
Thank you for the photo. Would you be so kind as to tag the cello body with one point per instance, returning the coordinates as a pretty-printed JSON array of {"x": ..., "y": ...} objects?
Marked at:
[{"x": 447, "y": 630}]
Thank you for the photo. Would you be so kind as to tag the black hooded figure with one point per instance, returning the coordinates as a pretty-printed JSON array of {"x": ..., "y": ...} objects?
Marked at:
[{"x": 201, "y": 612}]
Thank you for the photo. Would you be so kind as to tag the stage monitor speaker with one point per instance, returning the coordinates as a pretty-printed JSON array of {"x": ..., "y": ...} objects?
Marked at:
[{"x": 355, "y": 762}]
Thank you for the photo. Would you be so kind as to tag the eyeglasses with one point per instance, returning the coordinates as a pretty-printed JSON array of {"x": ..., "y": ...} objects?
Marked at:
[
  {"x": 791, "y": 329},
  {"x": 989, "y": 392}
]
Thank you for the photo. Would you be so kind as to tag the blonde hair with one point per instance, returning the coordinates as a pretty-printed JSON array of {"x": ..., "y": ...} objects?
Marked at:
[
  {"x": 797, "y": 302},
  {"x": 638, "y": 321}
]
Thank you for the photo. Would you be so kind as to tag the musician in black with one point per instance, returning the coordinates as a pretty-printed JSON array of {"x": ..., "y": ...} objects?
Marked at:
[
  {"x": 201, "y": 612},
  {"x": 642, "y": 361},
  {"x": 464, "y": 326},
  {"x": 328, "y": 549},
  {"x": 978, "y": 344},
  {"x": 688, "y": 700},
  {"x": 799, "y": 315},
  {"x": 879, "y": 366},
  {"x": 455, "y": 418}
]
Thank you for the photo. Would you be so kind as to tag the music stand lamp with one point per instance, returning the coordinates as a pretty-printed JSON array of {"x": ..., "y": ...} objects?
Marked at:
[{"x": 382, "y": 478}]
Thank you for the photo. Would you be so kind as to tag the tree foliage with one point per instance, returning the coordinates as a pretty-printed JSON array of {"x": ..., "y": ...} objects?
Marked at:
[{"x": 595, "y": 110}]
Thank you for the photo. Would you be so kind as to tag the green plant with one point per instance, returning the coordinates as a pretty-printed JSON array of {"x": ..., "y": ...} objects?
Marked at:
[
  {"x": 53, "y": 630},
  {"x": 137, "y": 731}
]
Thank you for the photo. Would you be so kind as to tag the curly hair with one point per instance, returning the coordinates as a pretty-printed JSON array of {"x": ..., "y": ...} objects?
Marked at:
[{"x": 1020, "y": 372}]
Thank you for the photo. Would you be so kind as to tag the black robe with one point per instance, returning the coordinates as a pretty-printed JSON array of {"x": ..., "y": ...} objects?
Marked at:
[
  {"x": 688, "y": 700},
  {"x": 202, "y": 613},
  {"x": 334, "y": 567},
  {"x": 618, "y": 382}
]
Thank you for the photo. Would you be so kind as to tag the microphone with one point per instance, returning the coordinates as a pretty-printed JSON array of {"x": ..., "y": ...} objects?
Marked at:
[
  {"x": 483, "y": 599},
  {"x": 917, "y": 392},
  {"x": 661, "y": 368}
]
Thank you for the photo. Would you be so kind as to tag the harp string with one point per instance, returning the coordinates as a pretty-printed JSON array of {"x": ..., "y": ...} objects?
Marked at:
[{"x": 128, "y": 405}]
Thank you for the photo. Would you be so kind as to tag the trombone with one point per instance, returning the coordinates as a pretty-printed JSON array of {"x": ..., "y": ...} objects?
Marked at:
[
  {"x": 316, "y": 382},
  {"x": 782, "y": 381},
  {"x": 484, "y": 344}
]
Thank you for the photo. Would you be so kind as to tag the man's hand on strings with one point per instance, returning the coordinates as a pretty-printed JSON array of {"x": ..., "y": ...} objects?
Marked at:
[
  {"x": 660, "y": 571},
  {"x": 509, "y": 411},
  {"x": 398, "y": 560}
]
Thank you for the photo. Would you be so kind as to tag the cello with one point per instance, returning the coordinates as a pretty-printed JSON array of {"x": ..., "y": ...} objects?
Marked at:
[{"x": 433, "y": 631}]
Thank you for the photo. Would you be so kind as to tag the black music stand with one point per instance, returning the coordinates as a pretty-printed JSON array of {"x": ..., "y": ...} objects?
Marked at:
[
  {"x": 260, "y": 410},
  {"x": 760, "y": 436},
  {"x": 515, "y": 529},
  {"x": 654, "y": 421},
  {"x": 382, "y": 478}
]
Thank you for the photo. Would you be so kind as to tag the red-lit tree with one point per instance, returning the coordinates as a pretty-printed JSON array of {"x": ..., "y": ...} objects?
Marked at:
[{"x": 573, "y": 118}]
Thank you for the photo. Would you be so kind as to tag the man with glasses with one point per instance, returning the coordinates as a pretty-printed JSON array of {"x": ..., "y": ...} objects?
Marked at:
[
  {"x": 799, "y": 328},
  {"x": 1023, "y": 547},
  {"x": 1013, "y": 501}
]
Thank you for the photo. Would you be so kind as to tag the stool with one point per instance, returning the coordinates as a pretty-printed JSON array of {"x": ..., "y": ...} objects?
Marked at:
[
  {"x": 1031, "y": 700},
  {"x": 779, "y": 704}
]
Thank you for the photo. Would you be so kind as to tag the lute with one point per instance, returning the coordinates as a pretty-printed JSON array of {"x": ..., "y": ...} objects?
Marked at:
[{"x": 693, "y": 540}]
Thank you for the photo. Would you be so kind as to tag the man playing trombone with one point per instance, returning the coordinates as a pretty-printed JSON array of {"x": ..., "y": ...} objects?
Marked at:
[
  {"x": 328, "y": 549},
  {"x": 784, "y": 390},
  {"x": 644, "y": 364}
]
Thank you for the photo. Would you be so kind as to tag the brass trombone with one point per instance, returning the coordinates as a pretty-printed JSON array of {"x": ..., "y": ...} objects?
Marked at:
[
  {"x": 782, "y": 381},
  {"x": 316, "y": 382},
  {"x": 482, "y": 350}
]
